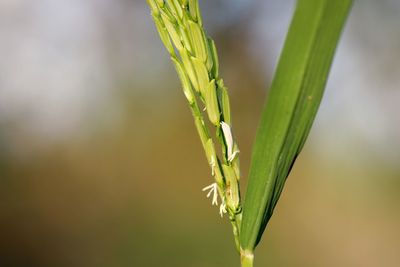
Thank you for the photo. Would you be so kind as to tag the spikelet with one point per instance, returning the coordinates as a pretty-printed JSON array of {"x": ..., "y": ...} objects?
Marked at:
[
  {"x": 195, "y": 11},
  {"x": 198, "y": 41},
  {"x": 212, "y": 103},
  {"x": 172, "y": 30},
  {"x": 201, "y": 74},
  {"x": 153, "y": 7},
  {"x": 187, "y": 88},
  {"x": 224, "y": 103},
  {"x": 214, "y": 58},
  {"x": 175, "y": 8},
  {"x": 188, "y": 65},
  {"x": 163, "y": 33}
]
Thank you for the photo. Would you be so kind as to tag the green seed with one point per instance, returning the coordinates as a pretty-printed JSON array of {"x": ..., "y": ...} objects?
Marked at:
[
  {"x": 185, "y": 39},
  {"x": 201, "y": 129},
  {"x": 211, "y": 154},
  {"x": 167, "y": 12},
  {"x": 163, "y": 34},
  {"x": 171, "y": 28},
  {"x": 160, "y": 3},
  {"x": 184, "y": 3},
  {"x": 232, "y": 188},
  {"x": 214, "y": 56},
  {"x": 198, "y": 41},
  {"x": 212, "y": 103},
  {"x": 187, "y": 88},
  {"x": 209, "y": 61},
  {"x": 194, "y": 9},
  {"x": 236, "y": 164},
  {"x": 153, "y": 7},
  {"x": 202, "y": 75},
  {"x": 224, "y": 103},
  {"x": 188, "y": 65},
  {"x": 175, "y": 8}
]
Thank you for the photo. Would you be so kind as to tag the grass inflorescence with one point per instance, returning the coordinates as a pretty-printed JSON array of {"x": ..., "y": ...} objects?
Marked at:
[{"x": 194, "y": 55}]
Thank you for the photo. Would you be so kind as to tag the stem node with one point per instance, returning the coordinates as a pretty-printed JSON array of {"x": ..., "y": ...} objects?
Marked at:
[{"x": 246, "y": 258}]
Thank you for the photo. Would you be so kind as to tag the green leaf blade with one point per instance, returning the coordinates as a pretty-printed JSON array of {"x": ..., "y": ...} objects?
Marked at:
[{"x": 292, "y": 103}]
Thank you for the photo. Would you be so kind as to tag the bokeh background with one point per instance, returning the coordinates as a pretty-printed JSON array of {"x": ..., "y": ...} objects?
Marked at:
[{"x": 100, "y": 164}]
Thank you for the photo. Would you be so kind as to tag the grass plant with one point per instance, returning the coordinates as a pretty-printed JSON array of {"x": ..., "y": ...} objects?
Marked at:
[{"x": 290, "y": 109}]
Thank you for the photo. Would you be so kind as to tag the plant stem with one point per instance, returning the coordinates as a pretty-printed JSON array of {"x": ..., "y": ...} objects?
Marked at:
[
  {"x": 235, "y": 221},
  {"x": 246, "y": 258}
]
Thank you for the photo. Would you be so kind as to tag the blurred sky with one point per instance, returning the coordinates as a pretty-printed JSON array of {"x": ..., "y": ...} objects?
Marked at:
[{"x": 100, "y": 164}]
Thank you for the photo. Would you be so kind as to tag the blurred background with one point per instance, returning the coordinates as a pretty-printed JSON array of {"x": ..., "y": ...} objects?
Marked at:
[{"x": 100, "y": 164}]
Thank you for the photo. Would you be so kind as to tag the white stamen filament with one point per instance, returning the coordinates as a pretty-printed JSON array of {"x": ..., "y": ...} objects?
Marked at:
[
  {"x": 213, "y": 191},
  {"x": 212, "y": 164},
  {"x": 226, "y": 129},
  {"x": 222, "y": 209}
]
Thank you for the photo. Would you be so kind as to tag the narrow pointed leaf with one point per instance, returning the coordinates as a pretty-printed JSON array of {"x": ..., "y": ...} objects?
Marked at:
[{"x": 290, "y": 109}]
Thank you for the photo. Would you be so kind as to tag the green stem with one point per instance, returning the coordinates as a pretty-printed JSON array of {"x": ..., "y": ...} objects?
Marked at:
[
  {"x": 236, "y": 228},
  {"x": 246, "y": 258}
]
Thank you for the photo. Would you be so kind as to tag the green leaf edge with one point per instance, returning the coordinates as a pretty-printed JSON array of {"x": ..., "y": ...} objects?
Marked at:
[{"x": 290, "y": 109}]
